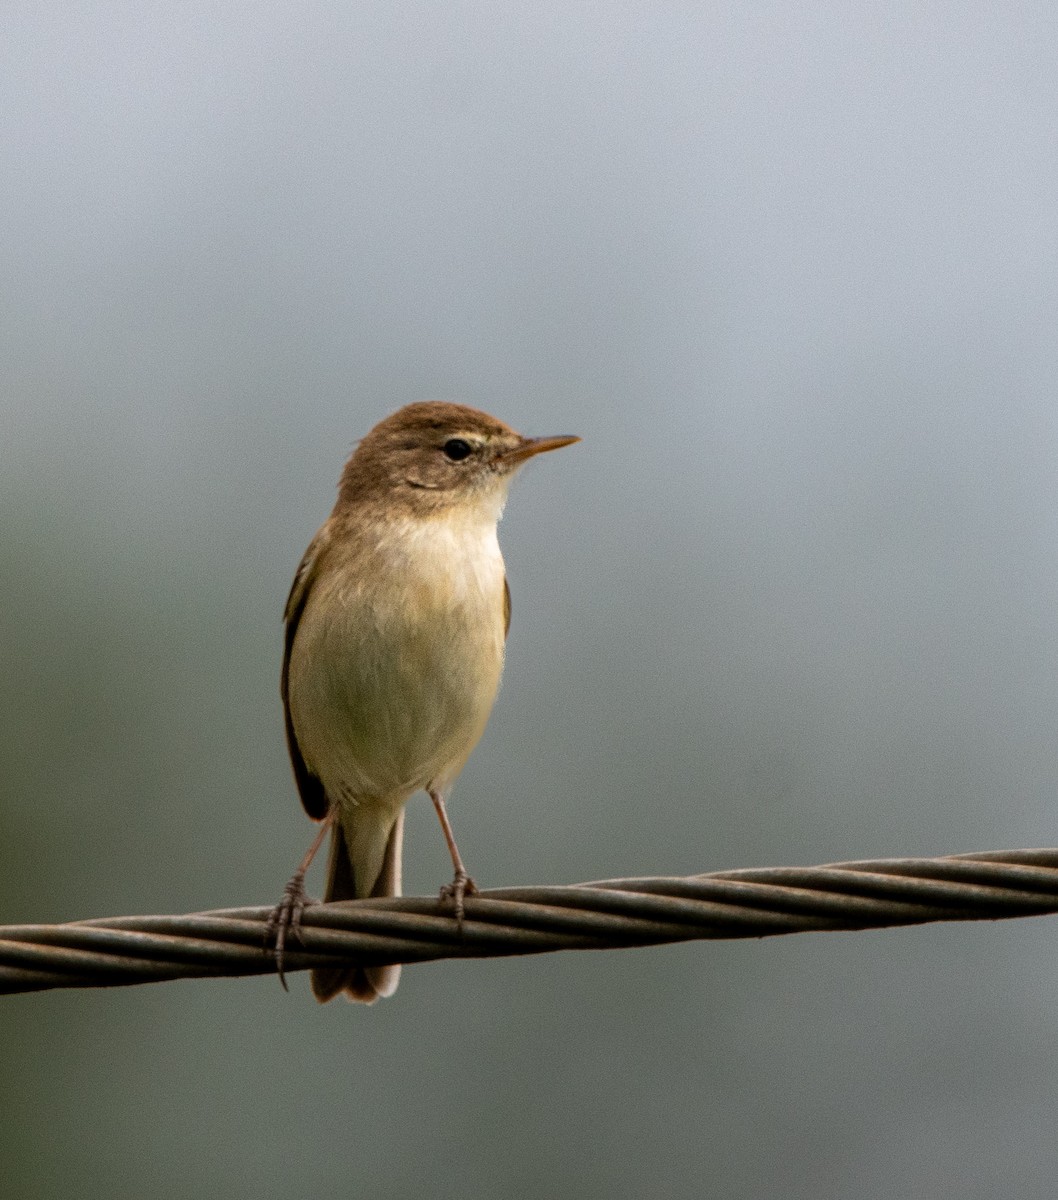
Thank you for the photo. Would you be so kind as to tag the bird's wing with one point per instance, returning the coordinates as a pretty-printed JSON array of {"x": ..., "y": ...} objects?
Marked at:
[
  {"x": 506, "y": 607},
  {"x": 309, "y": 786}
]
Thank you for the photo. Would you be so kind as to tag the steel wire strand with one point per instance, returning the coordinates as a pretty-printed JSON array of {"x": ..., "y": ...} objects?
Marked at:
[{"x": 610, "y": 914}]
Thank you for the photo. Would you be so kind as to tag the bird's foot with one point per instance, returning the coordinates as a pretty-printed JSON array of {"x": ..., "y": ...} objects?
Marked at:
[
  {"x": 462, "y": 885},
  {"x": 285, "y": 921}
]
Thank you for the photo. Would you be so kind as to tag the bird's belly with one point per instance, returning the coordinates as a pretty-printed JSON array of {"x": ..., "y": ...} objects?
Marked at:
[{"x": 387, "y": 700}]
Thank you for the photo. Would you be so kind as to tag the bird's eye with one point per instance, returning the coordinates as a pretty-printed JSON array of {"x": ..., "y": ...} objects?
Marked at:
[{"x": 456, "y": 449}]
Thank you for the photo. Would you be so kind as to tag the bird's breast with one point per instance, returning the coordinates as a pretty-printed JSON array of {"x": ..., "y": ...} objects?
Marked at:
[{"x": 397, "y": 658}]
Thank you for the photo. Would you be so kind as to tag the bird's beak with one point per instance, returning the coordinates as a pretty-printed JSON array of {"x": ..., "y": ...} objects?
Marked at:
[{"x": 530, "y": 446}]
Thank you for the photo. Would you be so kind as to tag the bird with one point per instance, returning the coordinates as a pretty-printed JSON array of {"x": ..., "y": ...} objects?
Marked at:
[{"x": 395, "y": 632}]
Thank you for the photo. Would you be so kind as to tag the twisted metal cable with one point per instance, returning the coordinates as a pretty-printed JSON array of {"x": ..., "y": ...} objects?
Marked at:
[{"x": 612, "y": 914}]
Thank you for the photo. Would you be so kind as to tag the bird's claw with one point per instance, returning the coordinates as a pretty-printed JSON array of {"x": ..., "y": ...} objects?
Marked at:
[
  {"x": 462, "y": 885},
  {"x": 285, "y": 920}
]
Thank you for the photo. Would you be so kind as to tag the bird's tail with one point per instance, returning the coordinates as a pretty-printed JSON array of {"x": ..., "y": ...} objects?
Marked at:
[{"x": 370, "y": 866}]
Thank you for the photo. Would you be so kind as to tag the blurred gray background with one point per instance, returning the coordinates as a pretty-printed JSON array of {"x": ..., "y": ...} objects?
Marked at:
[{"x": 790, "y": 271}]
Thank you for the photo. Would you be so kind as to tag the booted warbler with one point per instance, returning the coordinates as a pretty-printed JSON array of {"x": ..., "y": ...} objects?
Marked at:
[{"x": 395, "y": 630}]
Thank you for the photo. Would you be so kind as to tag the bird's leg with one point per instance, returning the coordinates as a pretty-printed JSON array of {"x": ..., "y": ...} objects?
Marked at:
[
  {"x": 286, "y": 916},
  {"x": 462, "y": 885}
]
